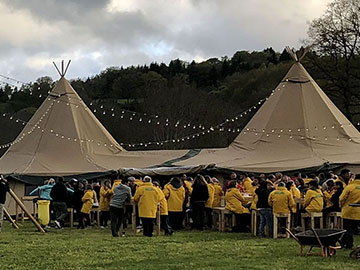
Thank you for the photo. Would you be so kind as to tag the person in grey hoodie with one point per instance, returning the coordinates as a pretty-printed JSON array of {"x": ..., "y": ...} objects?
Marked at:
[{"x": 122, "y": 194}]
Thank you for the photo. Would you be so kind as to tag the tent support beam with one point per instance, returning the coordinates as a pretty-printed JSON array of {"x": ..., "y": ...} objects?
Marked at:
[
  {"x": 10, "y": 219},
  {"x": 22, "y": 206}
]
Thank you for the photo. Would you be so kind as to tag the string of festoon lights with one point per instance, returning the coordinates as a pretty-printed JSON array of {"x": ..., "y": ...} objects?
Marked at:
[
  {"x": 31, "y": 130},
  {"x": 12, "y": 79},
  {"x": 219, "y": 127}
]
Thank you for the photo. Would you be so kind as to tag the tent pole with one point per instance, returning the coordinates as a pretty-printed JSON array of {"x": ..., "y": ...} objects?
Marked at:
[{"x": 22, "y": 206}]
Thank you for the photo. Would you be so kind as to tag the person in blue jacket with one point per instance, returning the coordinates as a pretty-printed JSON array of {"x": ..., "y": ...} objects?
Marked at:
[{"x": 44, "y": 191}]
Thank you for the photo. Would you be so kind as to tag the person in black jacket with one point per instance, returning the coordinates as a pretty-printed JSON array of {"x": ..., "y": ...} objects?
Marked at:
[
  {"x": 59, "y": 195},
  {"x": 199, "y": 196},
  {"x": 4, "y": 187},
  {"x": 265, "y": 211},
  {"x": 77, "y": 199}
]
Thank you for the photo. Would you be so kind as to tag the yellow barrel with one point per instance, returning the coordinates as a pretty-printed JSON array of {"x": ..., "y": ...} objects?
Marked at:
[{"x": 43, "y": 212}]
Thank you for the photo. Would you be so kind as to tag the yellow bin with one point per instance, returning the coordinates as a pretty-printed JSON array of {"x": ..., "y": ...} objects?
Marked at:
[{"x": 43, "y": 212}]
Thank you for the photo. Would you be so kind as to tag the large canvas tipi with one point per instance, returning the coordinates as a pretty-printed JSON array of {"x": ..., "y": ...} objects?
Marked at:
[
  {"x": 298, "y": 127},
  {"x": 65, "y": 138}
]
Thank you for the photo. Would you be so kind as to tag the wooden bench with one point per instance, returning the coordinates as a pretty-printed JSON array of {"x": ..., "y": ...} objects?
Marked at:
[
  {"x": 338, "y": 221},
  {"x": 276, "y": 224},
  {"x": 312, "y": 216},
  {"x": 218, "y": 217}
]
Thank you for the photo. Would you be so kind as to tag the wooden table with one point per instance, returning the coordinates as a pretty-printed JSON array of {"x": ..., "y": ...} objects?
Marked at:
[{"x": 25, "y": 199}]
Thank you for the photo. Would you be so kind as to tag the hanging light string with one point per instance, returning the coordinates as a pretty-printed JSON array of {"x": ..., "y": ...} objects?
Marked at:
[
  {"x": 31, "y": 130},
  {"x": 219, "y": 127},
  {"x": 12, "y": 79}
]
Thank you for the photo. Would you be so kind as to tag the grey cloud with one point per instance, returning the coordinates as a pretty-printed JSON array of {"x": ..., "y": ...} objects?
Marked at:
[{"x": 96, "y": 38}]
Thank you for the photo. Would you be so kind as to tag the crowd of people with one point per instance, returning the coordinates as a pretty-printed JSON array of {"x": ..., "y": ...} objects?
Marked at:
[{"x": 190, "y": 201}]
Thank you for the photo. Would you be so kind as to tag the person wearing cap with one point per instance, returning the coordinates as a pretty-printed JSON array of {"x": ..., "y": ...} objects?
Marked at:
[
  {"x": 147, "y": 199},
  {"x": 4, "y": 188},
  {"x": 349, "y": 202}
]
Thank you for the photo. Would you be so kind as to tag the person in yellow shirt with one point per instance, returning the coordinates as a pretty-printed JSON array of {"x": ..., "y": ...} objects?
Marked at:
[
  {"x": 164, "y": 214},
  {"x": 350, "y": 211},
  {"x": 174, "y": 193},
  {"x": 218, "y": 193},
  {"x": 104, "y": 204},
  {"x": 209, "y": 202},
  {"x": 314, "y": 198},
  {"x": 88, "y": 200},
  {"x": 236, "y": 203},
  {"x": 147, "y": 199},
  {"x": 281, "y": 200}
]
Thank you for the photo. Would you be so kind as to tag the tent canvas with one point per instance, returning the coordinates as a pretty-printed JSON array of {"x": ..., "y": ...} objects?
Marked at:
[
  {"x": 65, "y": 138},
  {"x": 297, "y": 127}
]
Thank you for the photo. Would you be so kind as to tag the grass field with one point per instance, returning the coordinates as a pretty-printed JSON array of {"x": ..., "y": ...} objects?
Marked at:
[{"x": 96, "y": 249}]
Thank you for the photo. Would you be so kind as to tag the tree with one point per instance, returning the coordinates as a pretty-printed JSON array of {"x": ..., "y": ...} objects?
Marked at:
[{"x": 335, "y": 38}]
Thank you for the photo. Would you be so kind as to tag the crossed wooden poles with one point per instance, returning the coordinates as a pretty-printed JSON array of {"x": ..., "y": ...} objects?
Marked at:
[{"x": 22, "y": 206}]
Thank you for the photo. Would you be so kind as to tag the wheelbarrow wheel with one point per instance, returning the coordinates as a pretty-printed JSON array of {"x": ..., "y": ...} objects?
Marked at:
[
  {"x": 331, "y": 251},
  {"x": 355, "y": 254}
]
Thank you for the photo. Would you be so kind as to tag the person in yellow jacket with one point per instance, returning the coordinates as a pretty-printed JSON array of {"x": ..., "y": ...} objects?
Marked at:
[
  {"x": 147, "y": 199},
  {"x": 247, "y": 185},
  {"x": 88, "y": 201},
  {"x": 116, "y": 183},
  {"x": 236, "y": 203},
  {"x": 349, "y": 202},
  {"x": 281, "y": 200},
  {"x": 329, "y": 190},
  {"x": 344, "y": 177},
  {"x": 218, "y": 193},
  {"x": 164, "y": 214},
  {"x": 295, "y": 192},
  {"x": 210, "y": 201},
  {"x": 104, "y": 204},
  {"x": 174, "y": 193},
  {"x": 314, "y": 198}
]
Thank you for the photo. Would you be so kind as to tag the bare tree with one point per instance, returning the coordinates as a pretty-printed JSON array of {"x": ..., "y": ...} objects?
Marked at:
[{"x": 335, "y": 38}]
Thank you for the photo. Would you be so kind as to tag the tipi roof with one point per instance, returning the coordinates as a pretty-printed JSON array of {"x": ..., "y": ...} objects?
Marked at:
[
  {"x": 297, "y": 127},
  {"x": 65, "y": 138}
]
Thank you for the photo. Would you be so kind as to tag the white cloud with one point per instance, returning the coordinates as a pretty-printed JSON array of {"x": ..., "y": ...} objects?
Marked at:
[{"x": 96, "y": 34}]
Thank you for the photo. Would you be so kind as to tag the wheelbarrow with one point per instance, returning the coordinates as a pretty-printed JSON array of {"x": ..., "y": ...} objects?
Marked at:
[{"x": 325, "y": 239}]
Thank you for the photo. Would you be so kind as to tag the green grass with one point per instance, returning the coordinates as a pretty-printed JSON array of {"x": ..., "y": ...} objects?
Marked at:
[{"x": 96, "y": 249}]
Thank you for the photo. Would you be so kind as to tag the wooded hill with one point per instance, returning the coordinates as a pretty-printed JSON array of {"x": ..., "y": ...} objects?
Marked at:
[{"x": 160, "y": 102}]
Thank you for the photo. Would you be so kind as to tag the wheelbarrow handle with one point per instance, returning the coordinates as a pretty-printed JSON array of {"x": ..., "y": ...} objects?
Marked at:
[
  {"x": 293, "y": 236},
  {"x": 317, "y": 236}
]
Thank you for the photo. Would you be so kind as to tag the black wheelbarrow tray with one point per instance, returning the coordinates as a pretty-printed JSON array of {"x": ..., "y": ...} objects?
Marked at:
[{"x": 325, "y": 239}]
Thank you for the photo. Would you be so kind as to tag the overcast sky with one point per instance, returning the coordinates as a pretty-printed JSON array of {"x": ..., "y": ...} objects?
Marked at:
[{"x": 96, "y": 34}]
